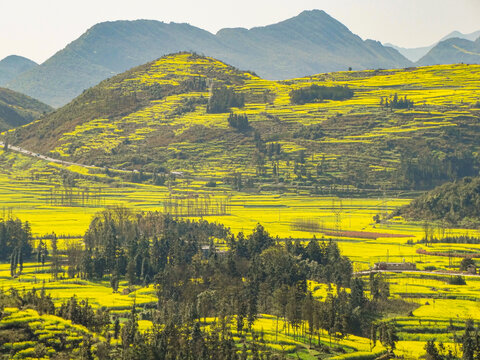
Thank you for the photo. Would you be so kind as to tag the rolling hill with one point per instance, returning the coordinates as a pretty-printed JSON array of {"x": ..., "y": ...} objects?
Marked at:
[
  {"x": 17, "y": 109},
  {"x": 309, "y": 43},
  {"x": 12, "y": 66},
  {"x": 173, "y": 114},
  {"x": 453, "y": 51}
]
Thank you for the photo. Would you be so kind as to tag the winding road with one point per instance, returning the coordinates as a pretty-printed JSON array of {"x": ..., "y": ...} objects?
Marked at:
[{"x": 43, "y": 157}]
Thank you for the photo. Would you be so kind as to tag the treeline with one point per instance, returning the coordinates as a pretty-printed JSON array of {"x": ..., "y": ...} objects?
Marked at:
[
  {"x": 457, "y": 203},
  {"x": 224, "y": 98},
  {"x": 396, "y": 102},
  {"x": 15, "y": 243},
  {"x": 460, "y": 239},
  {"x": 139, "y": 246},
  {"x": 316, "y": 93}
]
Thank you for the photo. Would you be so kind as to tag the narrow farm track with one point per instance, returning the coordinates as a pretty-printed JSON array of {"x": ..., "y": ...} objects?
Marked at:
[
  {"x": 46, "y": 158},
  {"x": 367, "y": 272}
]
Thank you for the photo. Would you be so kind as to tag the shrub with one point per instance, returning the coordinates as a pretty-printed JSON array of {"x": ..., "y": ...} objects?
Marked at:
[
  {"x": 223, "y": 99},
  {"x": 238, "y": 121},
  {"x": 457, "y": 280},
  {"x": 211, "y": 183},
  {"x": 317, "y": 93}
]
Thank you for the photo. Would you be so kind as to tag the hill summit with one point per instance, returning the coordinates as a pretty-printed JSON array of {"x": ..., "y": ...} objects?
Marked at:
[
  {"x": 12, "y": 66},
  {"x": 198, "y": 116}
]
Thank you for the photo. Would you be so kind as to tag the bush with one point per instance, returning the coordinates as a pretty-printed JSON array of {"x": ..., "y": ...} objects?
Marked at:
[
  {"x": 317, "y": 93},
  {"x": 457, "y": 280},
  {"x": 238, "y": 121},
  {"x": 223, "y": 99},
  {"x": 211, "y": 183}
]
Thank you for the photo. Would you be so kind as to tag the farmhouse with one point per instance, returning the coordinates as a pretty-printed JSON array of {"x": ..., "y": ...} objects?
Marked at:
[{"x": 395, "y": 266}]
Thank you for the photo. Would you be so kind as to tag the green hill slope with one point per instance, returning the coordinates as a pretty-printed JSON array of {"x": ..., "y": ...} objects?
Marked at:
[
  {"x": 12, "y": 66},
  {"x": 156, "y": 118},
  {"x": 310, "y": 43},
  {"x": 17, "y": 109},
  {"x": 457, "y": 203}
]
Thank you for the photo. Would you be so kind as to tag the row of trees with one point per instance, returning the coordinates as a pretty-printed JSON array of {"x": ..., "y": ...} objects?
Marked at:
[{"x": 396, "y": 102}]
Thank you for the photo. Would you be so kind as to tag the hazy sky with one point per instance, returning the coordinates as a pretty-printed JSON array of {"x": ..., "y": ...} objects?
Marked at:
[{"x": 38, "y": 28}]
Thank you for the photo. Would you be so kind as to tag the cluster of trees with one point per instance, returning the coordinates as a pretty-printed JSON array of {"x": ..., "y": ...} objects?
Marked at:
[
  {"x": 469, "y": 340},
  {"x": 224, "y": 98},
  {"x": 138, "y": 246},
  {"x": 38, "y": 300},
  {"x": 195, "y": 83},
  {"x": 396, "y": 102},
  {"x": 195, "y": 280},
  {"x": 316, "y": 93},
  {"x": 80, "y": 312},
  {"x": 238, "y": 121},
  {"x": 15, "y": 243}
]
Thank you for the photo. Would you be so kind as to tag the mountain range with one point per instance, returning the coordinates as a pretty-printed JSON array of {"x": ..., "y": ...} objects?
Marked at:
[
  {"x": 451, "y": 51},
  {"x": 415, "y": 54},
  {"x": 309, "y": 43}
]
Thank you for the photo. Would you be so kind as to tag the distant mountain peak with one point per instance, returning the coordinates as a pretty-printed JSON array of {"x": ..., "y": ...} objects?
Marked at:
[
  {"x": 309, "y": 43},
  {"x": 12, "y": 66}
]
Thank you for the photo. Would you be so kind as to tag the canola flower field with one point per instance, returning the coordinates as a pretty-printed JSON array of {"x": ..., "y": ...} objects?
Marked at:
[
  {"x": 443, "y": 96},
  {"x": 439, "y": 303}
]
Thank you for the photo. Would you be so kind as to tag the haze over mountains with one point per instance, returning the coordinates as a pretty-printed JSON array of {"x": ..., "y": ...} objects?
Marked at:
[
  {"x": 309, "y": 43},
  {"x": 453, "y": 51},
  {"x": 415, "y": 54}
]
